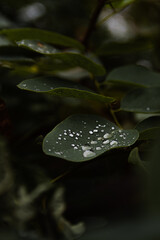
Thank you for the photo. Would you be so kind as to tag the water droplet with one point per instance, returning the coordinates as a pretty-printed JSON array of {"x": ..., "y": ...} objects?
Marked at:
[
  {"x": 75, "y": 147},
  {"x": 24, "y": 84},
  {"x": 77, "y": 134},
  {"x": 102, "y": 130},
  {"x": 65, "y": 133},
  {"x": 93, "y": 142},
  {"x": 106, "y": 142},
  {"x": 98, "y": 148},
  {"x": 107, "y": 135},
  {"x": 72, "y": 145},
  {"x": 86, "y": 147},
  {"x": 59, "y": 138},
  {"x": 90, "y": 132},
  {"x": 113, "y": 143},
  {"x": 71, "y": 135},
  {"x": 49, "y": 150},
  {"x": 95, "y": 130},
  {"x": 112, "y": 128},
  {"x": 148, "y": 108},
  {"x": 58, "y": 153},
  {"x": 99, "y": 138},
  {"x": 76, "y": 138},
  {"x": 46, "y": 141},
  {"x": 88, "y": 153}
]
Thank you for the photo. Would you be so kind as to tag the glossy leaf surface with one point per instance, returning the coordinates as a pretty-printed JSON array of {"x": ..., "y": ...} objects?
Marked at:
[{"x": 84, "y": 137}]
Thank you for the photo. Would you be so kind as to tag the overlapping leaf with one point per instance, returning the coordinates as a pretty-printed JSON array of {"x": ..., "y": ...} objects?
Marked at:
[
  {"x": 149, "y": 128},
  {"x": 134, "y": 75},
  {"x": 61, "y": 87},
  {"x": 84, "y": 137},
  {"x": 57, "y": 61},
  {"x": 142, "y": 100},
  {"x": 41, "y": 35}
]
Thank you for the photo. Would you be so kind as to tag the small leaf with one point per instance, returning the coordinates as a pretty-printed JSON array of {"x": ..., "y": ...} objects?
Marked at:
[
  {"x": 61, "y": 87},
  {"x": 149, "y": 128},
  {"x": 84, "y": 137},
  {"x": 62, "y": 60},
  {"x": 142, "y": 100},
  {"x": 134, "y": 75},
  {"x": 135, "y": 159},
  {"x": 41, "y": 35}
]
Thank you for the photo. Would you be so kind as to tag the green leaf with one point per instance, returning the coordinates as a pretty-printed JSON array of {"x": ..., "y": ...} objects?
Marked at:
[
  {"x": 61, "y": 60},
  {"x": 142, "y": 100},
  {"x": 84, "y": 137},
  {"x": 121, "y": 3},
  {"x": 135, "y": 159},
  {"x": 121, "y": 48},
  {"x": 41, "y": 35},
  {"x": 134, "y": 75},
  {"x": 61, "y": 87},
  {"x": 37, "y": 46},
  {"x": 149, "y": 128}
]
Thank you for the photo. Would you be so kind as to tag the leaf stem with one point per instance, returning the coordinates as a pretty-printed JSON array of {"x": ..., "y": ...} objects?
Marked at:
[{"x": 93, "y": 21}]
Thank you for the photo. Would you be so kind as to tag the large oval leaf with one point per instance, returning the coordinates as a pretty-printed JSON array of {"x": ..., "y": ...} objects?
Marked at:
[
  {"x": 62, "y": 60},
  {"x": 149, "y": 128},
  {"x": 42, "y": 35},
  {"x": 61, "y": 87},
  {"x": 84, "y": 137},
  {"x": 143, "y": 100},
  {"x": 134, "y": 75}
]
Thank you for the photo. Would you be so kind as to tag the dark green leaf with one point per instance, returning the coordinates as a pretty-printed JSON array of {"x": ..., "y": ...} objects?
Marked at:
[
  {"x": 63, "y": 60},
  {"x": 61, "y": 87},
  {"x": 41, "y": 35},
  {"x": 143, "y": 100},
  {"x": 121, "y": 48},
  {"x": 84, "y": 137},
  {"x": 134, "y": 158},
  {"x": 134, "y": 75},
  {"x": 149, "y": 128}
]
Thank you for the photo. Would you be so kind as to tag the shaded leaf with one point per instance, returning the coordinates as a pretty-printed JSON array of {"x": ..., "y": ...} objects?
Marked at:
[
  {"x": 121, "y": 48},
  {"x": 122, "y": 3},
  {"x": 41, "y": 35},
  {"x": 61, "y": 87},
  {"x": 84, "y": 137},
  {"x": 149, "y": 128},
  {"x": 135, "y": 159},
  {"x": 63, "y": 60},
  {"x": 143, "y": 100},
  {"x": 134, "y": 75}
]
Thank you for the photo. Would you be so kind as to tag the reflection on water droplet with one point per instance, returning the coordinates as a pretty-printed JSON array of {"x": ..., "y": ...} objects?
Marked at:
[
  {"x": 98, "y": 148},
  {"x": 88, "y": 153},
  {"x": 86, "y": 147},
  {"x": 100, "y": 138},
  {"x": 148, "y": 108},
  {"x": 93, "y": 142},
  {"x": 113, "y": 128},
  {"x": 113, "y": 143},
  {"x": 107, "y": 135},
  {"x": 24, "y": 84},
  {"x": 106, "y": 142},
  {"x": 90, "y": 132},
  {"x": 49, "y": 150}
]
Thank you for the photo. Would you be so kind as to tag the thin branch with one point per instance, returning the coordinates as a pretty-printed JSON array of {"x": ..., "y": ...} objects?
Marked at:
[{"x": 93, "y": 21}]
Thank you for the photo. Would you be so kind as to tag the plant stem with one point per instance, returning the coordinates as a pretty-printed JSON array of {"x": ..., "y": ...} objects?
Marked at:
[{"x": 93, "y": 21}]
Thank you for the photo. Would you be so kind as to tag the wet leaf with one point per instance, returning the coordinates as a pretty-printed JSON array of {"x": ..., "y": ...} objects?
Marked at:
[
  {"x": 149, "y": 128},
  {"x": 84, "y": 137},
  {"x": 37, "y": 46},
  {"x": 142, "y": 100},
  {"x": 41, "y": 35},
  {"x": 62, "y": 60},
  {"x": 61, "y": 87},
  {"x": 134, "y": 75}
]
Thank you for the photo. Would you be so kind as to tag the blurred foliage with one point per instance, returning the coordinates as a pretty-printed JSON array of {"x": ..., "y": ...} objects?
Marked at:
[{"x": 114, "y": 76}]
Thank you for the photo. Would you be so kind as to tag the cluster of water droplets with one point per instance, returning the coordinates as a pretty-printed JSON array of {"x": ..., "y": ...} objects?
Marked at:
[{"x": 95, "y": 141}]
